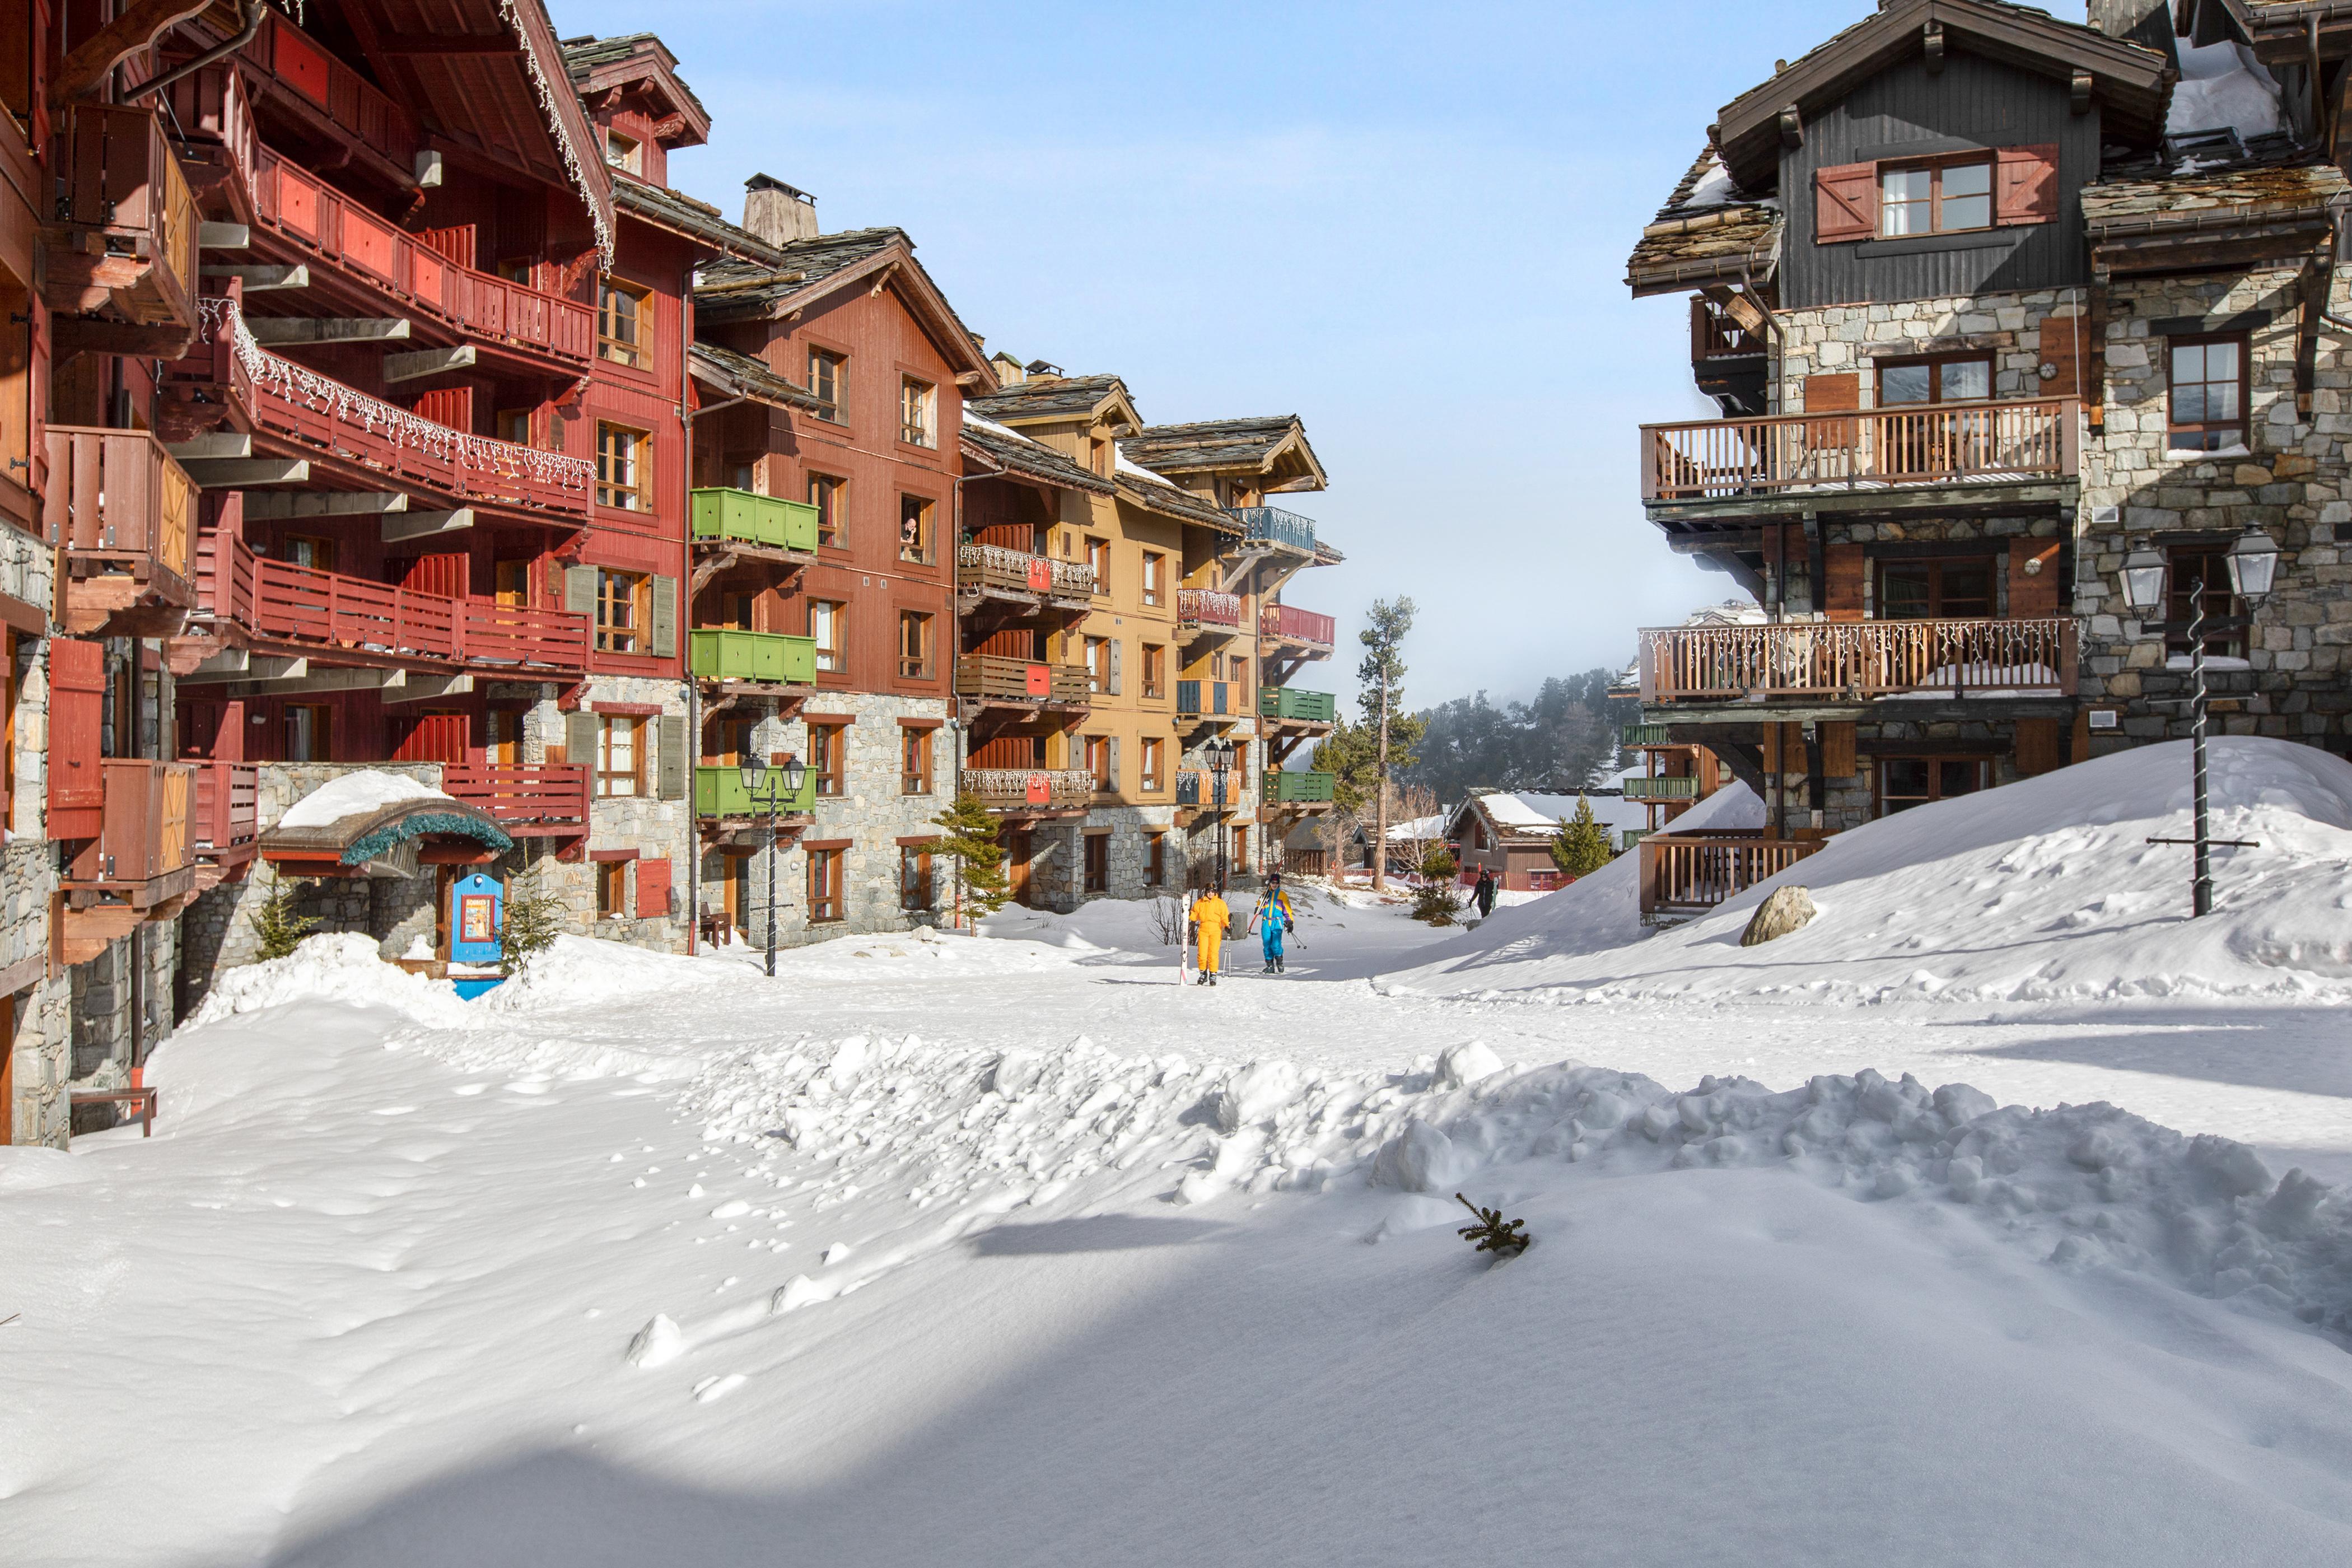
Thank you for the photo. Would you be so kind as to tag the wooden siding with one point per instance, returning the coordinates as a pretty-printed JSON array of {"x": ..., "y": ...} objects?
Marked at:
[{"x": 1906, "y": 112}]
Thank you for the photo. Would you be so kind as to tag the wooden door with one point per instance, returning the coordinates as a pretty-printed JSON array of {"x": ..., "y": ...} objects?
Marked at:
[
  {"x": 502, "y": 738},
  {"x": 736, "y": 894},
  {"x": 444, "y": 577},
  {"x": 434, "y": 737},
  {"x": 513, "y": 583},
  {"x": 1019, "y": 851}
]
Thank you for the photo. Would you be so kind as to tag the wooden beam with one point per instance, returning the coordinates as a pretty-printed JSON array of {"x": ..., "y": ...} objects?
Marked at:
[
  {"x": 257, "y": 278},
  {"x": 237, "y": 473},
  {"x": 427, "y": 688},
  {"x": 399, "y": 526},
  {"x": 335, "y": 678},
  {"x": 85, "y": 69},
  {"x": 211, "y": 444},
  {"x": 224, "y": 237},
  {"x": 272, "y": 331},
  {"x": 426, "y": 362},
  {"x": 430, "y": 43},
  {"x": 279, "y": 505},
  {"x": 240, "y": 666}
]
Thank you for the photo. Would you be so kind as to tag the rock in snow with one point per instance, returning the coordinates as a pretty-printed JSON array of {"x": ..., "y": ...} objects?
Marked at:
[{"x": 1784, "y": 911}]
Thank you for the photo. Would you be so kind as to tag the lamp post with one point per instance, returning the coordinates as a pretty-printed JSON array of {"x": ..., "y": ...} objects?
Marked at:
[
  {"x": 2146, "y": 580},
  {"x": 781, "y": 783},
  {"x": 1219, "y": 755}
]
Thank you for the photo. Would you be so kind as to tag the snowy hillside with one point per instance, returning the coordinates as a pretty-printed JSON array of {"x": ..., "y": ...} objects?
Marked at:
[{"x": 2042, "y": 891}]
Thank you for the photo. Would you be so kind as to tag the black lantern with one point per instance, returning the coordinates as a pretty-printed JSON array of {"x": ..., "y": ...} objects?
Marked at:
[
  {"x": 2254, "y": 565},
  {"x": 2146, "y": 577}
]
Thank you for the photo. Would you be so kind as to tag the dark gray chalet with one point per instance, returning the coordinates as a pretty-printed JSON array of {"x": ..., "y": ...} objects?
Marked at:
[{"x": 1985, "y": 295}]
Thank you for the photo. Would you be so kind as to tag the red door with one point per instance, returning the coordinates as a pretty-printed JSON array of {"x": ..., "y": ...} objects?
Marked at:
[
  {"x": 439, "y": 737},
  {"x": 441, "y": 576}
]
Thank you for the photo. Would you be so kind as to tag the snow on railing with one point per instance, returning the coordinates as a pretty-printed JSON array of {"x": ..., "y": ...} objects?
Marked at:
[
  {"x": 1041, "y": 573},
  {"x": 1857, "y": 659},
  {"x": 1208, "y": 606}
]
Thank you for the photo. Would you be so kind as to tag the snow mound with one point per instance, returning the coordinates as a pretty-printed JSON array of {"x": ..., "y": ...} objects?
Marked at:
[
  {"x": 577, "y": 970},
  {"x": 2042, "y": 891},
  {"x": 2222, "y": 86},
  {"x": 334, "y": 966},
  {"x": 355, "y": 792}
]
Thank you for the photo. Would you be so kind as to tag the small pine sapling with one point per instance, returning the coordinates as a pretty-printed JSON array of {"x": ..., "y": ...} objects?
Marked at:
[
  {"x": 276, "y": 924},
  {"x": 971, "y": 838},
  {"x": 1493, "y": 1233},
  {"x": 1581, "y": 846},
  {"x": 534, "y": 919},
  {"x": 1436, "y": 901}
]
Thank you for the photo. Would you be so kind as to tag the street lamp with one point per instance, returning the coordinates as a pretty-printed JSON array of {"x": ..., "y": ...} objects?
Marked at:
[
  {"x": 1219, "y": 756},
  {"x": 2252, "y": 564},
  {"x": 781, "y": 783}
]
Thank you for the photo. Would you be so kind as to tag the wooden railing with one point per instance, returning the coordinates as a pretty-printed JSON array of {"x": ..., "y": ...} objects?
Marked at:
[
  {"x": 226, "y": 814},
  {"x": 1909, "y": 445},
  {"x": 341, "y": 232},
  {"x": 116, "y": 494},
  {"x": 1662, "y": 786},
  {"x": 1690, "y": 871},
  {"x": 128, "y": 215},
  {"x": 1019, "y": 571},
  {"x": 1029, "y": 787},
  {"x": 143, "y": 849},
  {"x": 303, "y": 605},
  {"x": 346, "y": 425},
  {"x": 527, "y": 802},
  {"x": 1854, "y": 660},
  {"x": 1207, "y": 608},
  {"x": 1297, "y": 626},
  {"x": 998, "y": 679},
  {"x": 286, "y": 62},
  {"x": 1715, "y": 335}
]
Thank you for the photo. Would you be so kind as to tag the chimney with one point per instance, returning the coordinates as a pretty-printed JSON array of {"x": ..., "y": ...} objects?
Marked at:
[{"x": 776, "y": 212}]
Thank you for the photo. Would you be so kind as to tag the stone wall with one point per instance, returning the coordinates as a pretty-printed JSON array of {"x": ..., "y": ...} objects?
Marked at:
[{"x": 1848, "y": 338}]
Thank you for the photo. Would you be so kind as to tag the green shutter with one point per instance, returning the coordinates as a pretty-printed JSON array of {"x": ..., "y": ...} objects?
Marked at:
[
  {"x": 673, "y": 757},
  {"x": 580, "y": 590},
  {"x": 580, "y": 737},
  {"x": 665, "y": 617}
]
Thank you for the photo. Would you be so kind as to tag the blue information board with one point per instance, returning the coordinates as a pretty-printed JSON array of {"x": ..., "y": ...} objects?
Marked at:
[{"x": 478, "y": 920}]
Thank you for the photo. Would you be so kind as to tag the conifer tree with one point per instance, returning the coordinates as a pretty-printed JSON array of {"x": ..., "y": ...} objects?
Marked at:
[
  {"x": 1581, "y": 846},
  {"x": 277, "y": 925},
  {"x": 533, "y": 920},
  {"x": 971, "y": 837},
  {"x": 1436, "y": 901}
]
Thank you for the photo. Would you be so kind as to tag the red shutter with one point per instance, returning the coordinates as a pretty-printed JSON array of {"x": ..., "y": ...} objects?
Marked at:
[
  {"x": 77, "y": 706},
  {"x": 450, "y": 406},
  {"x": 444, "y": 577},
  {"x": 455, "y": 242},
  {"x": 2025, "y": 184},
  {"x": 433, "y": 738},
  {"x": 1845, "y": 203},
  {"x": 653, "y": 890}
]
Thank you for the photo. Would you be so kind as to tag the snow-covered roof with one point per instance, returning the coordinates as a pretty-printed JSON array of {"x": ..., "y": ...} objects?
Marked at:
[
  {"x": 1420, "y": 827},
  {"x": 352, "y": 793},
  {"x": 1533, "y": 812},
  {"x": 2223, "y": 86}
]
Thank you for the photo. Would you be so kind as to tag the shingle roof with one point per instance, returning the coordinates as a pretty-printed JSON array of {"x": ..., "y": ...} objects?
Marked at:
[
  {"x": 2208, "y": 199},
  {"x": 681, "y": 213},
  {"x": 1213, "y": 442},
  {"x": 730, "y": 290},
  {"x": 995, "y": 444},
  {"x": 583, "y": 55},
  {"x": 1708, "y": 231},
  {"x": 740, "y": 375},
  {"x": 1063, "y": 398},
  {"x": 1154, "y": 495}
]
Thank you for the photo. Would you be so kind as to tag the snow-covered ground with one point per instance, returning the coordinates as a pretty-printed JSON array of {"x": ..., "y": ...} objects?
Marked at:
[{"x": 1010, "y": 1250}]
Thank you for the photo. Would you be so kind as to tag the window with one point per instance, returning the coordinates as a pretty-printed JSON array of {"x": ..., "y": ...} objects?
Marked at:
[
  {"x": 1938, "y": 589},
  {"x": 1097, "y": 862},
  {"x": 1155, "y": 670},
  {"x": 1151, "y": 756},
  {"x": 308, "y": 728},
  {"x": 1906, "y": 782},
  {"x": 1098, "y": 755},
  {"x": 914, "y": 879},
  {"x": 914, "y": 529},
  {"x": 2192, "y": 564},
  {"x": 1155, "y": 572},
  {"x": 2209, "y": 395},
  {"x": 1941, "y": 198},
  {"x": 1241, "y": 850},
  {"x": 301, "y": 550},
  {"x": 612, "y": 889},
  {"x": 916, "y": 402},
  {"x": 514, "y": 426},
  {"x": 829, "y": 382},
  {"x": 623, "y": 324},
  {"x": 1098, "y": 560},
  {"x": 1943, "y": 378},
  {"x": 623, "y": 151},
  {"x": 620, "y": 754},
  {"x": 913, "y": 646},
  {"x": 830, "y": 496},
  {"x": 1155, "y": 859},
  {"x": 828, "y": 632},
  {"x": 915, "y": 761},
  {"x": 1097, "y": 659},
  {"x": 623, "y": 479},
  {"x": 826, "y": 745},
  {"x": 623, "y": 610},
  {"x": 824, "y": 886}
]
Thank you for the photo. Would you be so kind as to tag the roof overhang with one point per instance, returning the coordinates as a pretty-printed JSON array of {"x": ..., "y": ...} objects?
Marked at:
[
  {"x": 388, "y": 842},
  {"x": 2280, "y": 32},
  {"x": 1049, "y": 469},
  {"x": 893, "y": 267},
  {"x": 650, "y": 73},
  {"x": 1167, "y": 500},
  {"x": 734, "y": 375}
]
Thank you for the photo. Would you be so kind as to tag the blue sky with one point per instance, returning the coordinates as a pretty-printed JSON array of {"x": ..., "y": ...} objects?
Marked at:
[{"x": 1404, "y": 223}]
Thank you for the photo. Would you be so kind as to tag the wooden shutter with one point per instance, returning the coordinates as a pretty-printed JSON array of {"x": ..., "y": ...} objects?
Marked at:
[
  {"x": 2037, "y": 594},
  {"x": 1845, "y": 203},
  {"x": 456, "y": 243},
  {"x": 432, "y": 738},
  {"x": 673, "y": 757},
  {"x": 1113, "y": 677},
  {"x": 77, "y": 710},
  {"x": 2037, "y": 747},
  {"x": 1844, "y": 567},
  {"x": 580, "y": 591},
  {"x": 653, "y": 890},
  {"x": 443, "y": 576},
  {"x": 2066, "y": 348},
  {"x": 665, "y": 617},
  {"x": 1772, "y": 735},
  {"x": 1837, "y": 749},
  {"x": 1113, "y": 769},
  {"x": 1838, "y": 392},
  {"x": 450, "y": 406},
  {"x": 2025, "y": 184},
  {"x": 580, "y": 740}
]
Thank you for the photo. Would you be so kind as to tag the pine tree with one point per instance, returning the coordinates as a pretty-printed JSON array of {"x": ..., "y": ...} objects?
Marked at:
[
  {"x": 1437, "y": 899},
  {"x": 280, "y": 928},
  {"x": 1394, "y": 732},
  {"x": 971, "y": 837},
  {"x": 533, "y": 920},
  {"x": 1581, "y": 846}
]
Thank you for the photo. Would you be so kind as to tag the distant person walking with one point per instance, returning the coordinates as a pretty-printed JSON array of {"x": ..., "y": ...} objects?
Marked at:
[
  {"x": 1482, "y": 895},
  {"x": 1209, "y": 917},
  {"x": 1273, "y": 918}
]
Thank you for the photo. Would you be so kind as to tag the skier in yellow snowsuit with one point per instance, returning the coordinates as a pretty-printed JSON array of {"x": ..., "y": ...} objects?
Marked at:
[{"x": 1209, "y": 918}]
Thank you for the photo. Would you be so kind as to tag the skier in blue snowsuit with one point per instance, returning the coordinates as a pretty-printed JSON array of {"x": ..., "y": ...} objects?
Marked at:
[{"x": 1274, "y": 917}]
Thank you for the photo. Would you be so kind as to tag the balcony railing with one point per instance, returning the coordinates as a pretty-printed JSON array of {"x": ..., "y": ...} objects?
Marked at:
[
  {"x": 302, "y": 605},
  {"x": 1205, "y": 700},
  {"x": 226, "y": 814},
  {"x": 1662, "y": 787},
  {"x": 996, "y": 679},
  {"x": 984, "y": 566},
  {"x": 284, "y": 61},
  {"x": 130, "y": 218},
  {"x": 1286, "y": 787},
  {"x": 1949, "y": 442},
  {"x": 1207, "y": 608},
  {"x": 1715, "y": 335},
  {"x": 726, "y": 514},
  {"x": 1293, "y": 707},
  {"x": 1029, "y": 787},
  {"x": 323, "y": 222},
  {"x": 117, "y": 497},
  {"x": 719, "y": 654},
  {"x": 1637, "y": 737},
  {"x": 1297, "y": 625},
  {"x": 143, "y": 851},
  {"x": 718, "y": 792},
  {"x": 1276, "y": 526},
  {"x": 1689, "y": 872},
  {"x": 1856, "y": 660},
  {"x": 529, "y": 802},
  {"x": 336, "y": 423}
]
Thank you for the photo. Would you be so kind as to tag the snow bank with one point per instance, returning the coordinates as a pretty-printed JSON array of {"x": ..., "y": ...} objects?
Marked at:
[
  {"x": 335, "y": 966},
  {"x": 2043, "y": 891},
  {"x": 355, "y": 792}
]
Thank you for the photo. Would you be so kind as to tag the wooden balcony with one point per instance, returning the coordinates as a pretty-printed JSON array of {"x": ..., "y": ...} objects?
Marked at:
[
  {"x": 1285, "y": 787},
  {"x": 1857, "y": 661},
  {"x": 1877, "y": 449},
  {"x": 304, "y": 608},
  {"x": 718, "y": 792},
  {"x": 1208, "y": 610},
  {"x": 412, "y": 275},
  {"x": 740, "y": 517},
  {"x": 993, "y": 571},
  {"x": 1013, "y": 789},
  {"x": 1293, "y": 709},
  {"x": 1207, "y": 700},
  {"x": 990, "y": 678},
  {"x": 769, "y": 657},
  {"x": 226, "y": 820},
  {"x": 371, "y": 444},
  {"x": 1272, "y": 525},
  {"x": 123, "y": 511},
  {"x": 550, "y": 802},
  {"x": 124, "y": 236},
  {"x": 1662, "y": 787},
  {"x": 1280, "y": 623},
  {"x": 1716, "y": 335},
  {"x": 143, "y": 855},
  {"x": 1690, "y": 872}
]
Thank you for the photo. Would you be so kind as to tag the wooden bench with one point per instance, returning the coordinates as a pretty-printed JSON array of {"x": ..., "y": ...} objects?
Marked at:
[{"x": 143, "y": 1098}]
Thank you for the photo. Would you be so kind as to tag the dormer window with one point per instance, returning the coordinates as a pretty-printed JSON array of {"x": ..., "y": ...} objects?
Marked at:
[
  {"x": 623, "y": 151},
  {"x": 1942, "y": 198},
  {"x": 1912, "y": 198}
]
